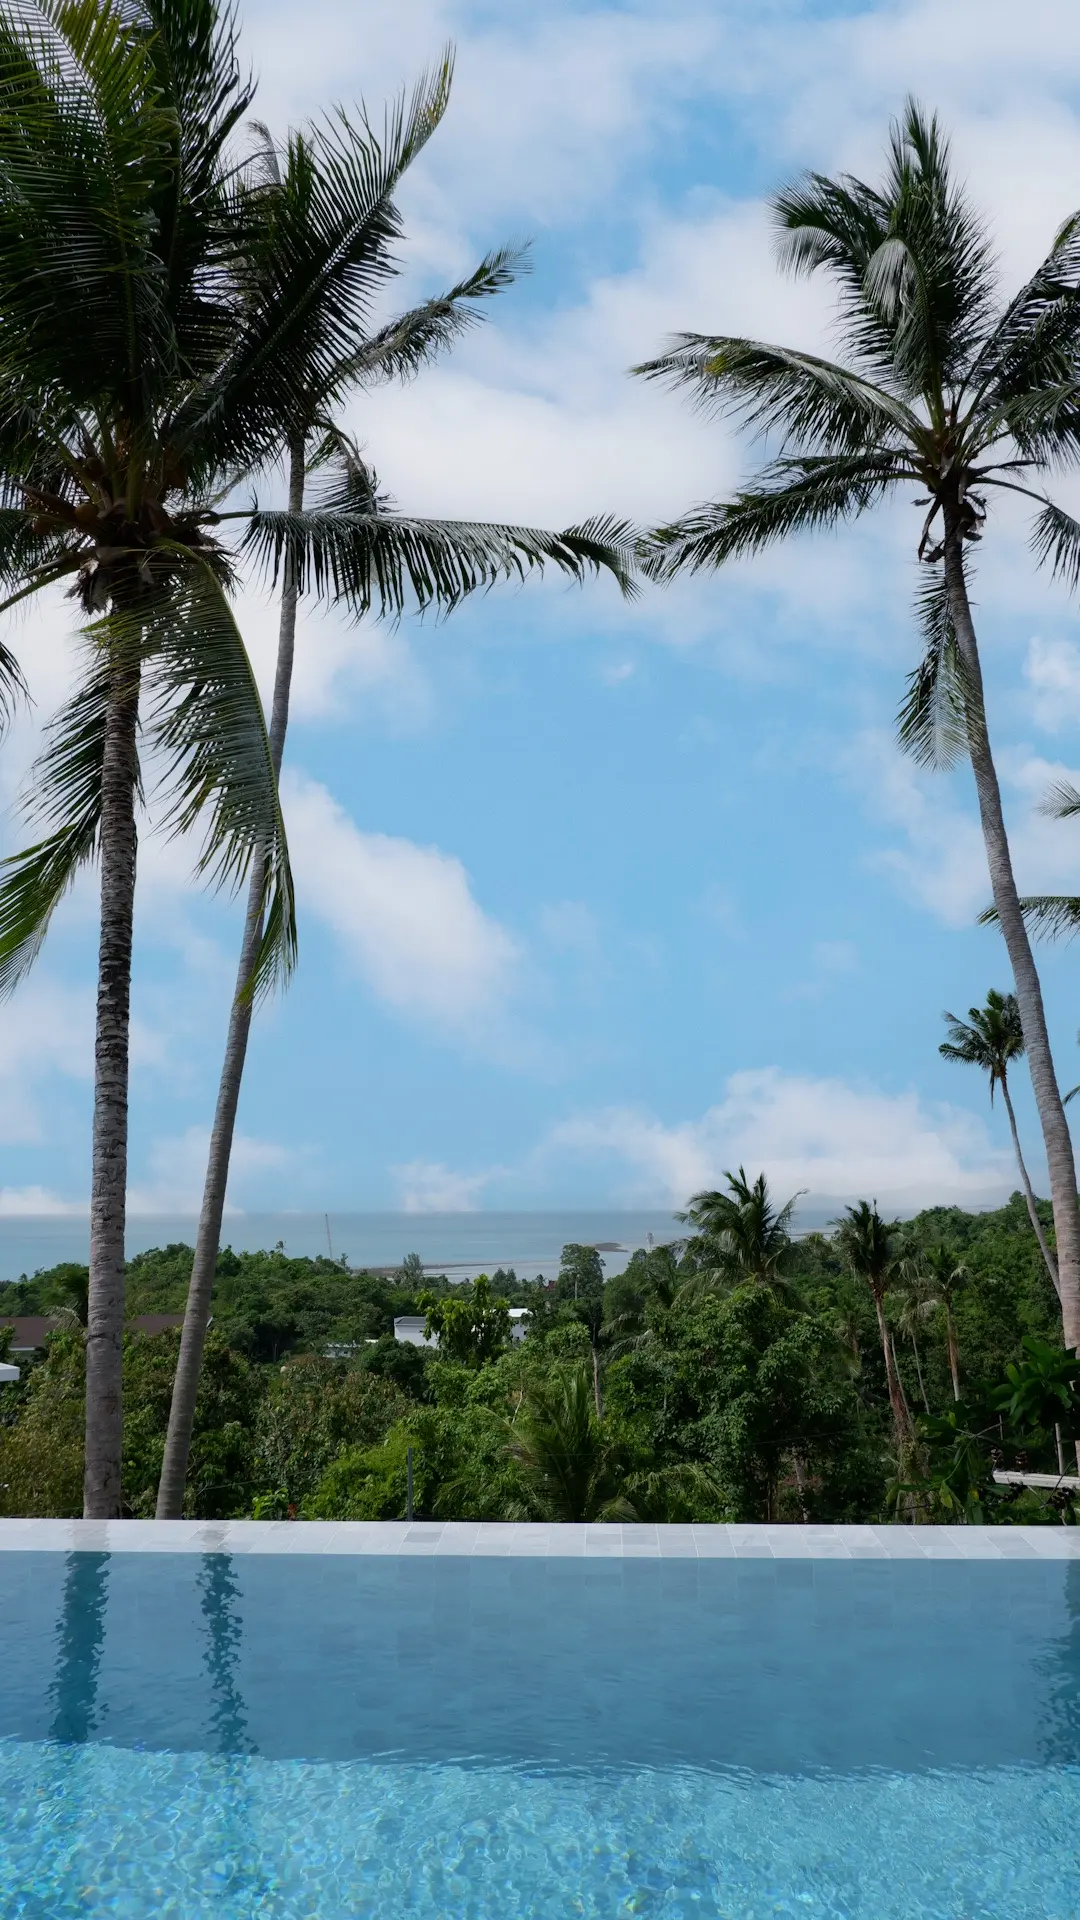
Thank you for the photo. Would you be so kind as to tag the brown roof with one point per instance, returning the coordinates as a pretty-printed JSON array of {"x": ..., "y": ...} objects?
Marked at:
[
  {"x": 151, "y": 1323},
  {"x": 32, "y": 1330}
]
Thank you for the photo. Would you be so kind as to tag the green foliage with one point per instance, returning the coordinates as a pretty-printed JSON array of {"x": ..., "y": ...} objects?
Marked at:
[
  {"x": 41, "y": 1453},
  {"x": 581, "y": 1274},
  {"x": 472, "y": 1328},
  {"x": 309, "y": 1413},
  {"x": 740, "y": 1235},
  {"x": 737, "y": 1400},
  {"x": 1042, "y": 1390}
]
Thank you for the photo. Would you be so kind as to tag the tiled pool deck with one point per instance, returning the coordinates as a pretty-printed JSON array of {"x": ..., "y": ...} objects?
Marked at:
[{"x": 495, "y": 1539}]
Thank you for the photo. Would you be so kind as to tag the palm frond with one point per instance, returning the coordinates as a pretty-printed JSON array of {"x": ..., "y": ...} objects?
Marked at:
[
  {"x": 911, "y": 258},
  {"x": 812, "y": 405},
  {"x": 67, "y": 797},
  {"x": 1061, "y": 801},
  {"x": 946, "y": 312},
  {"x": 1033, "y": 344},
  {"x": 84, "y": 141},
  {"x": 367, "y": 559},
  {"x": 206, "y": 720},
  {"x": 1042, "y": 421},
  {"x": 1050, "y": 916},
  {"x": 932, "y": 722},
  {"x": 792, "y": 496},
  {"x": 1056, "y": 542},
  {"x": 399, "y": 350},
  {"x": 202, "y": 233},
  {"x": 325, "y": 252}
]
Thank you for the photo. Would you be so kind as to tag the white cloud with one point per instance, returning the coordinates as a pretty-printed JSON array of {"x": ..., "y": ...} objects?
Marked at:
[
  {"x": 823, "y": 1135},
  {"x": 47, "y": 1030},
  {"x": 941, "y": 863},
  {"x": 427, "y": 1186},
  {"x": 18, "y": 1202},
  {"x": 1052, "y": 671},
  {"x": 405, "y": 914},
  {"x": 177, "y": 1168}
]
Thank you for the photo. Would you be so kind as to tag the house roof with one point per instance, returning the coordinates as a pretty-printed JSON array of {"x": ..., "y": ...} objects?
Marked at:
[{"x": 31, "y": 1331}]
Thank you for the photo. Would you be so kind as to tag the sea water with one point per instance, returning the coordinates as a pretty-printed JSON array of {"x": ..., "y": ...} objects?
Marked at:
[{"x": 461, "y": 1244}]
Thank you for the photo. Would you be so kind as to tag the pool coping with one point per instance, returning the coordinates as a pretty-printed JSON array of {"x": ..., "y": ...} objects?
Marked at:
[{"x": 514, "y": 1540}]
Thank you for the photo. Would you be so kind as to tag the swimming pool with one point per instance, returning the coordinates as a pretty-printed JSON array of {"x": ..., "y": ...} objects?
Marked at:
[{"x": 499, "y": 1723}]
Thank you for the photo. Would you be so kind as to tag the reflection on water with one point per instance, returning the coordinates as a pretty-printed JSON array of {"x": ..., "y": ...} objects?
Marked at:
[
  {"x": 80, "y": 1632},
  {"x": 1061, "y": 1741},
  {"x": 239, "y": 1873},
  {"x": 219, "y": 1596}
]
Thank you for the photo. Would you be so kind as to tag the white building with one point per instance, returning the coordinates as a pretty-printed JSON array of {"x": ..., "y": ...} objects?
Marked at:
[{"x": 409, "y": 1328}]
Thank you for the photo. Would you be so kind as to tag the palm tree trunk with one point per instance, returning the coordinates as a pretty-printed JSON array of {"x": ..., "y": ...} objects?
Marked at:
[
  {"x": 1055, "y": 1127},
  {"x": 954, "y": 1357},
  {"x": 918, "y": 1371},
  {"x": 170, "y": 1500},
  {"x": 897, "y": 1398},
  {"x": 1033, "y": 1212},
  {"x": 108, "y": 1188},
  {"x": 596, "y": 1382}
]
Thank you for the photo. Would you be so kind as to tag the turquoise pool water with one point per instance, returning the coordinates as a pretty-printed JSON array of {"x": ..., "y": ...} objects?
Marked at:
[{"x": 330, "y": 1738}]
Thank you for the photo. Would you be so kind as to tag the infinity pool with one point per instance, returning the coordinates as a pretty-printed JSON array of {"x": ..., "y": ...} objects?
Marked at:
[{"x": 329, "y": 1736}]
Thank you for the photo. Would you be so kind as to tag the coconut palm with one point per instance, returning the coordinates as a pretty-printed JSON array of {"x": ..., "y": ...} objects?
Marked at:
[
  {"x": 864, "y": 1241},
  {"x": 343, "y": 229},
  {"x": 154, "y": 340},
  {"x": 992, "y": 1038},
  {"x": 573, "y": 1468},
  {"x": 908, "y": 1310},
  {"x": 742, "y": 1236},
  {"x": 944, "y": 391},
  {"x": 945, "y": 1278}
]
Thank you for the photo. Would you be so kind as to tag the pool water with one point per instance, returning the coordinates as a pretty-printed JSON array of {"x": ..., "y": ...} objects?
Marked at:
[{"x": 334, "y": 1737}]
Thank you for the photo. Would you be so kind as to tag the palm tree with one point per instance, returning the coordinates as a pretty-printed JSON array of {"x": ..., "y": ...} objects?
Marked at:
[
  {"x": 343, "y": 230},
  {"x": 741, "y": 1235},
  {"x": 121, "y": 432},
  {"x": 571, "y": 1468},
  {"x": 909, "y": 1312},
  {"x": 865, "y": 1242},
  {"x": 942, "y": 391},
  {"x": 945, "y": 1277},
  {"x": 992, "y": 1038},
  {"x": 574, "y": 1469}
]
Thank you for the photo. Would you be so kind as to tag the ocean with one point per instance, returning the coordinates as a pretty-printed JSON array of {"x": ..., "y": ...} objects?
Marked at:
[{"x": 458, "y": 1244}]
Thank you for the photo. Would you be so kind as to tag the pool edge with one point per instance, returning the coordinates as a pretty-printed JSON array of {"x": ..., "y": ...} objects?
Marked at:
[{"x": 494, "y": 1539}]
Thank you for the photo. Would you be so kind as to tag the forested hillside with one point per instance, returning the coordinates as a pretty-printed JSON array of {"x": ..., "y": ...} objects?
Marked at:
[{"x": 739, "y": 1376}]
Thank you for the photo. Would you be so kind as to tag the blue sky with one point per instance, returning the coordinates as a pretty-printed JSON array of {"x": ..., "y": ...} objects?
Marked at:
[{"x": 599, "y": 900}]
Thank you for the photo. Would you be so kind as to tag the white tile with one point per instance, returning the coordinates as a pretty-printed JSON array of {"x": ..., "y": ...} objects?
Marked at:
[{"x": 528, "y": 1540}]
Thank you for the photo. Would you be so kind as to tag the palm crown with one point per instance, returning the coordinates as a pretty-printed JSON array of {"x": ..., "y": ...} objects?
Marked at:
[
  {"x": 742, "y": 1235},
  {"x": 991, "y": 1037},
  {"x": 215, "y": 316},
  {"x": 943, "y": 391}
]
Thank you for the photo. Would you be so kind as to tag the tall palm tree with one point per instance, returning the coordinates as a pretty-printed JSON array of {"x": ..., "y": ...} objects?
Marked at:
[
  {"x": 992, "y": 1037},
  {"x": 864, "y": 1240},
  {"x": 742, "y": 1235},
  {"x": 943, "y": 391},
  {"x": 908, "y": 1309},
  {"x": 153, "y": 341},
  {"x": 945, "y": 1278},
  {"x": 343, "y": 229}
]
